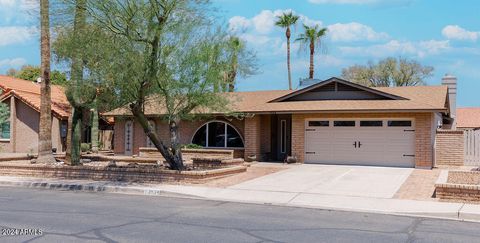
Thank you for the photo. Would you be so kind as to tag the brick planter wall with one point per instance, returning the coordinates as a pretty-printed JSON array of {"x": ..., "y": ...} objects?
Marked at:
[
  {"x": 215, "y": 163},
  {"x": 118, "y": 174},
  {"x": 188, "y": 154},
  {"x": 449, "y": 148},
  {"x": 458, "y": 186}
]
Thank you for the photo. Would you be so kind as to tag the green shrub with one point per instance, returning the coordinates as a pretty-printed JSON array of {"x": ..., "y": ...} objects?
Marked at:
[
  {"x": 85, "y": 147},
  {"x": 192, "y": 146}
]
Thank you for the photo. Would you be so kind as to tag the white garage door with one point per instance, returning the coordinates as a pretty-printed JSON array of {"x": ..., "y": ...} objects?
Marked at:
[{"x": 383, "y": 142}]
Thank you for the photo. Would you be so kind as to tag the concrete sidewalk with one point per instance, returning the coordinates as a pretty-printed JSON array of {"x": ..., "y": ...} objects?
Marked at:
[{"x": 457, "y": 211}]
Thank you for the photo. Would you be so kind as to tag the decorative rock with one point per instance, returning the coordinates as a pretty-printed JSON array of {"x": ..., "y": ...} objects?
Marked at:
[
  {"x": 251, "y": 158},
  {"x": 83, "y": 161},
  {"x": 132, "y": 165},
  {"x": 112, "y": 164},
  {"x": 291, "y": 159}
]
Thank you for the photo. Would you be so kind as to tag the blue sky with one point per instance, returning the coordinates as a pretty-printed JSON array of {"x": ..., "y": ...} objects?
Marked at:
[{"x": 444, "y": 34}]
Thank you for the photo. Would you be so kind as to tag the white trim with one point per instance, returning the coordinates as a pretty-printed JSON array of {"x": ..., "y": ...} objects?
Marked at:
[{"x": 221, "y": 121}]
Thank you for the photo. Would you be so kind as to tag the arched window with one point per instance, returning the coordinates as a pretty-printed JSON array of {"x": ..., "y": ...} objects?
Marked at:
[{"x": 217, "y": 134}]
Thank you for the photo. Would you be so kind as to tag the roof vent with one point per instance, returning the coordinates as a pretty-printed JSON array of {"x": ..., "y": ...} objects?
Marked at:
[{"x": 308, "y": 82}]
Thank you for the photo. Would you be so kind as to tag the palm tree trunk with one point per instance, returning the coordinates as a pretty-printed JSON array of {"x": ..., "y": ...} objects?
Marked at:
[
  {"x": 312, "y": 52},
  {"x": 231, "y": 77},
  {"x": 288, "y": 60},
  {"x": 45, "y": 126}
]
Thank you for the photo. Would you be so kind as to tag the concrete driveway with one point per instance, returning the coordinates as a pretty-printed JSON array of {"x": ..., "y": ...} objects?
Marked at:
[{"x": 360, "y": 181}]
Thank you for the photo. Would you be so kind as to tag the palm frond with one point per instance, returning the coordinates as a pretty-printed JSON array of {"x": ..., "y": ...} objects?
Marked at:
[{"x": 287, "y": 19}]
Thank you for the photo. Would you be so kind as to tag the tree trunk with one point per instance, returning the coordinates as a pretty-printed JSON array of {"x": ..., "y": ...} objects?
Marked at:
[
  {"x": 176, "y": 146},
  {"x": 312, "y": 52},
  {"x": 68, "y": 151},
  {"x": 45, "y": 127},
  {"x": 94, "y": 133},
  {"x": 74, "y": 129},
  {"x": 76, "y": 136},
  {"x": 173, "y": 158},
  {"x": 288, "y": 59}
]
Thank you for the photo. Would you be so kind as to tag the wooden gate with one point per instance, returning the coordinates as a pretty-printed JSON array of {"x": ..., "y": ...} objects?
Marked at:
[{"x": 472, "y": 147}]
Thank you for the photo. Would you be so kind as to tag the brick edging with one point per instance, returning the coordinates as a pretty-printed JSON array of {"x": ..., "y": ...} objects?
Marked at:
[
  {"x": 444, "y": 131},
  {"x": 116, "y": 174}
]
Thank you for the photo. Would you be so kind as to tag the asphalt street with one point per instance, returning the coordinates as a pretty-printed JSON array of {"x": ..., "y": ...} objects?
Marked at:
[{"x": 29, "y": 215}]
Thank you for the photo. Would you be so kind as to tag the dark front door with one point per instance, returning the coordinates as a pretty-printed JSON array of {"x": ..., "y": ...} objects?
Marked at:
[{"x": 281, "y": 136}]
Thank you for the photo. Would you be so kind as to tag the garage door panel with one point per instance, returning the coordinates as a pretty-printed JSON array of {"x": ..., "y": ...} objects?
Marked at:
[{"x": 382, "y": 146}]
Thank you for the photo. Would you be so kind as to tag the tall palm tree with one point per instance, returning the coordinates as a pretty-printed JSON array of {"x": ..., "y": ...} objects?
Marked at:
[
  {"x": 312, "y": 37},
  {"x": 45, "y": 126},
  {"x": 285, "y": 21},
  {"x": 235, "y": 46}
]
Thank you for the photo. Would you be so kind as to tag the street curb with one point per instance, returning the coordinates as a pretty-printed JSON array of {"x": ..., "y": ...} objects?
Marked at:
[
  {"x": 97, "y": 187},
  {"x": 94, "y": 188}
]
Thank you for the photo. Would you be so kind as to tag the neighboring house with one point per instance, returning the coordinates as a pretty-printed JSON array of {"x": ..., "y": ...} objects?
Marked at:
[
  {"x": 331, "y": 122},
  {"x": 468, "y": 118},
  {"x": 20, "y": 134}
]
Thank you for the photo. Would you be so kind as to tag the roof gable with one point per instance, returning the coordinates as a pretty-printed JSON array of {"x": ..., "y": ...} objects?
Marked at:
[
  {"x": 29, "y": 93},
  {"x": 337, "y": 89}
]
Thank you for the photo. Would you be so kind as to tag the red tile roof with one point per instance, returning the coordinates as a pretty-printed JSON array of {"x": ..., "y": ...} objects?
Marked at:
[
  {"x": 29, "y": 93},
  {"x": 468, "y": 117}
]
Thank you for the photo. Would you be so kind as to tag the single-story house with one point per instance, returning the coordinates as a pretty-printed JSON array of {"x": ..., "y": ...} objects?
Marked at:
[
  {"x": 331, "y": 122},
  {"x": 468, "y": 118},
  {"x": 20, "y": 133}
]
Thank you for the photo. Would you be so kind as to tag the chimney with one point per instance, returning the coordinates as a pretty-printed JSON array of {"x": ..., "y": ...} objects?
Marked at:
[{"x": 451, "y": 82}]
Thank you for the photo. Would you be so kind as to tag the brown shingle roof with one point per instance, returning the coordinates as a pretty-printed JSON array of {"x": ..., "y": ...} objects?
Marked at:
[
  {"x": 468, "y": 117},
  {"x": 413, "y": 98},
  {"x": 29, "y": 92}
]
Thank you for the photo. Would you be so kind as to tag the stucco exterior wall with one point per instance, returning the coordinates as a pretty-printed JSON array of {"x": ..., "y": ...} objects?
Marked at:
[
  {"x": 423, "y": 132},
  {"x": 24, "y": 126}
]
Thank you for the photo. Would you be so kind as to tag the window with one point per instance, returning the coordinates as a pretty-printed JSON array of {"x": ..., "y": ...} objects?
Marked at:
[
  {"x": 5, "y": 117},
  {"x": 399, "y": 123},
  {"x": 217, "y": 134},
  {"x": 344, "y": 123},
  {"x": 371, "y": 123},
  {"x": 128, "y": 137},
  {"x": 318, "y": 123},
  {"x": 200, "y": 137},
  {"x": 5, "y": 130}
]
